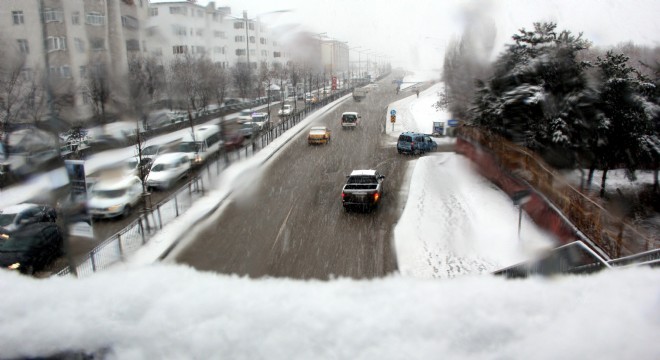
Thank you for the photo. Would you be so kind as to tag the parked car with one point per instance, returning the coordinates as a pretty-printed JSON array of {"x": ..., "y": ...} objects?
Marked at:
[
  {"x": 15, "y": 217},
  {"x": 233, "y": 141},
  {"x": 285, "y": 110},
  {"x": 111, "y": 198},
  {"x": 248, "y": 129},
  {"x": 31, "y": 248},
  {"x": 261, "y": 119},
  {"x": 167, "y": 169},
  {"x": 244, "y": 116},
  {"x": 350, "y": 120},
  {"x": 153, "y": 151},
  {"x": 415, "y": 143},
  {"x": 319, "y": 135}
]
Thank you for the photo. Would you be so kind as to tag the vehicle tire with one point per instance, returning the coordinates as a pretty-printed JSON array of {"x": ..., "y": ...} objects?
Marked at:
[{"x": 127, "y": 211}]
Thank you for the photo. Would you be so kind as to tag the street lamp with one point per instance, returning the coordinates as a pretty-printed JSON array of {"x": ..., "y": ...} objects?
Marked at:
[{"x": 349, "y": 57}]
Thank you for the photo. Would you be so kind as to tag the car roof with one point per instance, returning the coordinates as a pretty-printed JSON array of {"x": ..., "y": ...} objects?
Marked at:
[
  {"x": 259, "y": 114},
  {"x": 350, "y": 113},
  {"x": 318, "y": 128},
  {"x": 363, "y": 172},
  {"x": 170, "y": 157},
  {"x": 15, "y": 209}
]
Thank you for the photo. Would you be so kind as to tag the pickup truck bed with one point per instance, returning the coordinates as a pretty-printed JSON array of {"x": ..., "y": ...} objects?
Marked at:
[{"x": 363, "y": 189}]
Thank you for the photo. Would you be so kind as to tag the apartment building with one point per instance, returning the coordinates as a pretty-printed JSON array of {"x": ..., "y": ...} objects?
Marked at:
[
  {"x": 185, "y": 28},
  {"x": 69, "y": 38}
]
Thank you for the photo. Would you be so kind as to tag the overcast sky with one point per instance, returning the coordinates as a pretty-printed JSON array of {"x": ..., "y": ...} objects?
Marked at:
[{"x": 414, "y": 33}]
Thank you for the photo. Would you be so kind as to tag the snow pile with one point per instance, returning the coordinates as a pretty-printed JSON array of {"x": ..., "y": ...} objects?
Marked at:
[{"x": 174, "y": 312}]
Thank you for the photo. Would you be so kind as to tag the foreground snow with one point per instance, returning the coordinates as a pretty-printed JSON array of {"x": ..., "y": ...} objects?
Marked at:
[{"x": 174, "y": 312}]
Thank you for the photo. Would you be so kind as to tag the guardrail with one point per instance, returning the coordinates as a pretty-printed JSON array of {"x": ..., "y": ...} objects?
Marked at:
[{"x": 138, "y": 233}]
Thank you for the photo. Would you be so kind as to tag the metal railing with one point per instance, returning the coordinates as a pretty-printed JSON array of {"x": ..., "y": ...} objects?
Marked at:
[{"x": 138, "y": 232}]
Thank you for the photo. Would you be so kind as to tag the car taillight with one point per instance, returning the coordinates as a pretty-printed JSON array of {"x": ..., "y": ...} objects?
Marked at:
[
  {"x": 376, "y": 197},
  {"x": 343, "y": 194}
]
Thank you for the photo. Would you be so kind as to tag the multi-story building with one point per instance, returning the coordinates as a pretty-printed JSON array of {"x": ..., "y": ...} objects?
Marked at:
[
  {"x": 69, "y": 38},
  {"x": 335, "y": 58},
  {"x": 185, "y": 28}
]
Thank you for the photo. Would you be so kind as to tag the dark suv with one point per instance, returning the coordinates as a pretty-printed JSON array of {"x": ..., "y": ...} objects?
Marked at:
[
  {"x": 415, "y": 143},
  {"x": 31, "y": 248}
]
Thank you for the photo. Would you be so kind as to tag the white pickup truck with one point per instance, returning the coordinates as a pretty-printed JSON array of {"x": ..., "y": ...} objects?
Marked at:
[{"x": 286, "y": 110}]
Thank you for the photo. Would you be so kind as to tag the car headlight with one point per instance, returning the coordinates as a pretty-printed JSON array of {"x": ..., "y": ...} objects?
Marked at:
[
  {"x": 14, "y": 266},
  {"x": 114, "y": 208}
]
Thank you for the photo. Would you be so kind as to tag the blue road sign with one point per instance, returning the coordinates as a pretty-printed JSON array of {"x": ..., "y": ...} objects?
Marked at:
[
  {"x": 452, "y": 122},
  {"x": 393, "y": 112}
]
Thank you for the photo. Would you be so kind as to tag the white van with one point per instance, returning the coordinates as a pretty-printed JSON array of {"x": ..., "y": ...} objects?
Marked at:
[{"x": 206, "y": 142}]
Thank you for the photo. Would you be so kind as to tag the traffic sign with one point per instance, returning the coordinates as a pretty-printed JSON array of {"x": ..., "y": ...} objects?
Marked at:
[
  {"x": 393, "y": 112},
  {"x": 393, "y": 118},
  {"x": 452, "y": 123}
]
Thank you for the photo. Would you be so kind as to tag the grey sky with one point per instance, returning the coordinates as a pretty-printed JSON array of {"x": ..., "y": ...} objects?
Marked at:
[{"x": 414, "y": 33}]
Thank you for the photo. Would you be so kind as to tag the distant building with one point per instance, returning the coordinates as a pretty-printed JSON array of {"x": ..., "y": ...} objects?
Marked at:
[{"x": 183, "y": 27}]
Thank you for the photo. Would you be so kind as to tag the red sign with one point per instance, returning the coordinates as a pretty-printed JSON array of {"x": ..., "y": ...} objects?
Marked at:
[{"x": 334, "y": 83}]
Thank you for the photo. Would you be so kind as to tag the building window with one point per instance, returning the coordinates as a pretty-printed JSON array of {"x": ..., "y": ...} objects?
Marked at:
[
  {"x": 199, "y": 32},
  {"x": 130, "y": 22},
  {"x": 95, "y": 18},
  {"x": 18, "y": 17},
  {"x": 157, "y": 52},
  {"x": 51, "y": 15},
  {"x": 252, "y": 39},
  {"x": 75, "y": 18},
  {"x": 55, "y": 43},
  {"x": 79, "y": 44},
  {"x": 153, "y": 11},
  {"x": 219, "y": 50},
  {"x": 97, "y": 44},
  {"x": 179, "y": 49},
  {"x": 61, "y": 71},
  {"x": 239, "y": 38},
  {"x": 240, "y": 52},
  {"x": 83, "y": 72},
  {"x": 179, "y": 30},
  {"x": 253, "y": 52},
  {"x": 26, "y": 74},
  {"x": 264, "y": 52},
  {"x": 239, "y": 25},
  {"x": 251, "y": 26},
  {"x": 277, "y": 54},
  {"x": 262, "y": 41},
  {"x": 178, "y": 10},
  {"x": 132, "y": 45},
  {"x": 23, "y": 46},
  {"x": 198, "y": 50}
]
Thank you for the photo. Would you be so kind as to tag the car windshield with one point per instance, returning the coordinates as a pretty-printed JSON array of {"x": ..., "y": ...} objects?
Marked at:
[
  {"x": 349, "y": 118},
  {"x": 6, "y": 219},
  {"x": 162, "y": 167},
  {"x": 108, "y": 194},
  {"x": 188, "y": 147},
  {"x": 150, "y": 150}
]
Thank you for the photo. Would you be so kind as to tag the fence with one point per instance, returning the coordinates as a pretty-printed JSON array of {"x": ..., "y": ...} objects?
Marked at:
[
  {"x": 611, "y": 233},
  {"x": 138, "y": 233}
]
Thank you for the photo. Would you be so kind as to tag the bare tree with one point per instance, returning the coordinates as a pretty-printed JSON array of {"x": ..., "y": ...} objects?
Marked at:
[
  {"x": 97, "y": 90},
  {"x": 14, "y": 90},
  {"x": 242, "y": 77}
]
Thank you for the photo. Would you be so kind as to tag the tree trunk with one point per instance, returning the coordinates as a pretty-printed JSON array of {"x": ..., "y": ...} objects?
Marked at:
[
  {"x": 590, "y": 177},
  {"x": 602, "y": 182}
]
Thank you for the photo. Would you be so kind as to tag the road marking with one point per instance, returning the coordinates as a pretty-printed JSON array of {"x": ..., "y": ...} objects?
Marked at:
[{"x": 279, "y": 233}]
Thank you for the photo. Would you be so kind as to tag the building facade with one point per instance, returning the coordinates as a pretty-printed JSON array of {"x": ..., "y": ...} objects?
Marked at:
[
  {"x": 66, "y": 39},
  {"x": 185, "y": 28}
]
